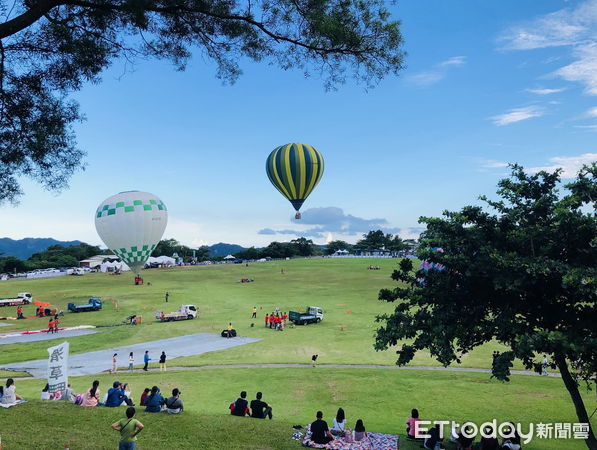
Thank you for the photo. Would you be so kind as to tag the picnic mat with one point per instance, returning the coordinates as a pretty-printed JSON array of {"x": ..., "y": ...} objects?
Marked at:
[
  {"x": 377, "y": 441},
  {"x": 8, "y": 405}
]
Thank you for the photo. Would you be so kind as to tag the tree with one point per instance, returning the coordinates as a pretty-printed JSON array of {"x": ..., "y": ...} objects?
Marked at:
[
  {"x": 523, "y": 273},
  {"x": 304, "y": 246},
  {"x": 50, "y": 48},
  {"x": 334, "y": 246},
  {"x": 11, "y": 264},
  {"x": 249, "y": 253},
  {"x": 377, "y": 240},
  {"x": 202, "y": 253},
  {"x": 279, "y": 250}
]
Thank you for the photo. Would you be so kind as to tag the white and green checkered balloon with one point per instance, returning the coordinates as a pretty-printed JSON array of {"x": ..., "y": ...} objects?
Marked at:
[{"x": 131, "y": 224}]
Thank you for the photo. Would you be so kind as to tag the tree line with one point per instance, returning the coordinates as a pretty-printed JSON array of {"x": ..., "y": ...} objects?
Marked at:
[{"x": 54, "y": 256}]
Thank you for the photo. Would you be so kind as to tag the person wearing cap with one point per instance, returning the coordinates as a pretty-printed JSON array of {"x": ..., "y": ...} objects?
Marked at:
[
  {"x": 174, "y": 404},
  {"x": 116, "y": 395}
]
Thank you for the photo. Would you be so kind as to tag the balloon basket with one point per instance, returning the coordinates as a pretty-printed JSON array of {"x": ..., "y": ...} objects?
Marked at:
[{"x": 297, "y": 216}]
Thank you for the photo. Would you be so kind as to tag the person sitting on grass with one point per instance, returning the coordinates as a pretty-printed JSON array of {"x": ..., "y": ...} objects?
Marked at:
[
  {"x": 320, "y": 433},
  {"x": 45, "y": 392},
  {"x": 260, "y": 409},
  {"x": 513, "y": 441},
  {"x": 154, "y": 401},
  {"x": 433, "y": 442},
  {"x": 144, "y": 395},
  {"x": 117, "y": 395},
  {"x": 10, "y": 395},
  {"x": 129, "y": 428},
  {"x": 174, "y": 404},
  {"x": 68, "y": 394},
  {"x": 240, "y": 407},
  {"x": 489, "y": 443},
  {"x": 359, "y": 432},
  {"x": 410, "y": 424},
  {"x": 339, "y": 423},
  {"x": 91, "y": 397},
  {"x": 463, "y": 442}
]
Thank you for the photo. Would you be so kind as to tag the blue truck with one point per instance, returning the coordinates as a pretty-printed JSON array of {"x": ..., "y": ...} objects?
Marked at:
[{"x": 93, "y": 304}]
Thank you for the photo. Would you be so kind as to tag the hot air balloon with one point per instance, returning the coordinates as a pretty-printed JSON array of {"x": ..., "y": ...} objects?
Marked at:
[
  {"x": 295, "y": 169},
  {"x": 131, "y": 224}
]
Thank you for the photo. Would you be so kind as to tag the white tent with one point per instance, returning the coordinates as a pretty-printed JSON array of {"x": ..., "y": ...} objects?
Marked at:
[
  {"x": 165, "y": 261},
  {"x": 113, "y": 266},
  {"x": 229, "y": 257}
]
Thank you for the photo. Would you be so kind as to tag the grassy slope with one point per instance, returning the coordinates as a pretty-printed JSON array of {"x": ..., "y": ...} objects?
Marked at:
[
  {"x": 343, "y": 287},
  {"x": 382, "y": 399}
]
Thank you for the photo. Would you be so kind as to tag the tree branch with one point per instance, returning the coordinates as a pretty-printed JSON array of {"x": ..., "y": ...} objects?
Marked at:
[{"x": 29, "y": 17}]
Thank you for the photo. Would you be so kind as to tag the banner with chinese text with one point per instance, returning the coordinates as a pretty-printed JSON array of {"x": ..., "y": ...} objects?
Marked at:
[{"x": 58, "y": 368}]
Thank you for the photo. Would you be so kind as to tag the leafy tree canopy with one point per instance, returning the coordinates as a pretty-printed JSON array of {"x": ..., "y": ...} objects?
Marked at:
[
  {"x": 522, "y": 271},
  {"x": 50, "y": 48},
  {"x": 378, "y": 240},
  {"x": 334, "y": 246}
]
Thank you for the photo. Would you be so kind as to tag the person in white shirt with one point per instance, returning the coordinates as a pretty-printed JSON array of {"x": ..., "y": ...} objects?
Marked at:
[
  {"x": 131, "y": 361},
  {"x": 339, "y": 423},
  {"x": 10, "y": 396}
]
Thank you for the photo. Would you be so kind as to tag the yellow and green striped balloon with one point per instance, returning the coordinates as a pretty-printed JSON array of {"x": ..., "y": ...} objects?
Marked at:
[{"x": 295, "y": 169}]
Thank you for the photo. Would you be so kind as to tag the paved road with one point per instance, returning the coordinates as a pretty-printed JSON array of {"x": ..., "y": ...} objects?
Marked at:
[
  {"x": 351, "y": 366},
  {"x": 44, "y": 336},
  {"x": 99, "y": 361}
]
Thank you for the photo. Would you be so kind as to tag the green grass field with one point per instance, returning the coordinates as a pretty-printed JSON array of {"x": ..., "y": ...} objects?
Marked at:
[{"x": 345, "y": 289}]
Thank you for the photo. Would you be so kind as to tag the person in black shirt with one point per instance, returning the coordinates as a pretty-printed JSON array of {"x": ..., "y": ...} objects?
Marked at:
[
  {"x": 241, "y": 405},
  {"x": 433, "y": 442},
  {"x": 320, "y": 433},
  {"x": 260, "y": 409}
]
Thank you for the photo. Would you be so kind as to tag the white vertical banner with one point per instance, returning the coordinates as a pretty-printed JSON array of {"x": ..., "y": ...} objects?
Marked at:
[{"x": 58, "y": 368}]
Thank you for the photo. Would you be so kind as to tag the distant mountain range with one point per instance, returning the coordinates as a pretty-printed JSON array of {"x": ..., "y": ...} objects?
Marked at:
[
  {"x": 24, "y": 248},
  {"x": 222, "y": 249}
]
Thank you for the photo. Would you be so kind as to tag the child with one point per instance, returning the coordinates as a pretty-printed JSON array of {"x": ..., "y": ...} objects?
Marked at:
[
  {"x": 114, "y": 363},
  {"x": 163, "y": 362},
  {"x": 131, "y": 361}
]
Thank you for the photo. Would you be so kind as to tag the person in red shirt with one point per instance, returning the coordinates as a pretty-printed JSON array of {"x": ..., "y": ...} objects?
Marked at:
[
  {"x": 271, "y": 320},
  {"x": 266, "y": 319},
  {"x": 20, "y": 313},
  {"x": 55, "y": 325},
  {"x": 51, "y": 326},
  {"x": 284, "y": 318}
]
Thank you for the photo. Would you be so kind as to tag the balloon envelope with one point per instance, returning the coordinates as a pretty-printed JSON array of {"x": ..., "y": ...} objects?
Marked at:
[
  {"x": 131, "y": 224},
  {"x": 295, "y": 169}
]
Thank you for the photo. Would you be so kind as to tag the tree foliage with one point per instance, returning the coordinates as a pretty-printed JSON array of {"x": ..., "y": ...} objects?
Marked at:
[
  {"x": 50, "y": 48},
  {"x": 378, "y": 239},
  {"x": 522, "y": 272},
  {"x": 334, "y": 246}
]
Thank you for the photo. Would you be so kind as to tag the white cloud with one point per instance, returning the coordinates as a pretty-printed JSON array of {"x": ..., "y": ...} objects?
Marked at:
[
  {"x": 592, "y": 112},
  {"x": 493, "y": 164},
  {"x": 587, "y": 127},
  {"x": 517, "y": 115},
  {"x": 545, "y": 91},
  {"x": 453, "y": 61},
  {"x": 573, "y": 27},
  {"x": 437, "y": 73},
  {"x": 584, "y": 69},
  {"x": 570, "y": 165}
]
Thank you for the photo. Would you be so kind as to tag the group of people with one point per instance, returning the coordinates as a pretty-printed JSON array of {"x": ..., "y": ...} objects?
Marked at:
[
  {"x": 460, "y": 437},
  {"x": 154, "y": 401},
  {"x": 53, "y": 325},
  {"x": 276, "y": 321},
  {"x": 257, "y": 409},
  {"x": 146, "y": 359},
  {"x": 321, "y": 433}
]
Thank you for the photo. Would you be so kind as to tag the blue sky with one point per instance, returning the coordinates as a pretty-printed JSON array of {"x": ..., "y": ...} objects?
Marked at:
[{"x": 486, "y": 83}]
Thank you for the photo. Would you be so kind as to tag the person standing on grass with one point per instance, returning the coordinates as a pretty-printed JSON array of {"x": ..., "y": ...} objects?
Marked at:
[
  {"x": 544, "y": 366},
  {"x": 254, "y": 316},
  {"x": 146, "y": 360},
  {"x": 166, "y": 296},
  {"x": 131, "y": 361},
  {"x": 115, "y": 363},
  {"x": 229, "y": 334},
  {"x": 266, "y": 319},
  {"x": 20, "y": 312},
  {"x": 163, "y": 362},
  {"x": 129, "y": 428},
  {"x": 50, "y": 326}
]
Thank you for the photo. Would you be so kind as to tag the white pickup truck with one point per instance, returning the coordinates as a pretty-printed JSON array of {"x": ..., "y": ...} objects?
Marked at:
[
  {"x": 185, "y": 312},
  {"x": 24, "y": 298}
]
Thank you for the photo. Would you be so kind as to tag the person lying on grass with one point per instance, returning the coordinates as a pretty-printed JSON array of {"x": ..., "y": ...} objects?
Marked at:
[
  {"x": 129, "y": 428},
  {"x": 154, "y": 401},
  {"x": 174, "y": 404}
]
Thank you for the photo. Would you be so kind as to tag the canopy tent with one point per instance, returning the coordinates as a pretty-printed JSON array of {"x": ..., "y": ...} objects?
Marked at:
[
  {"x": 165, "y": 261},
  {"x": 113, "y": 266},
  {"x": 229, "y": 257}
]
